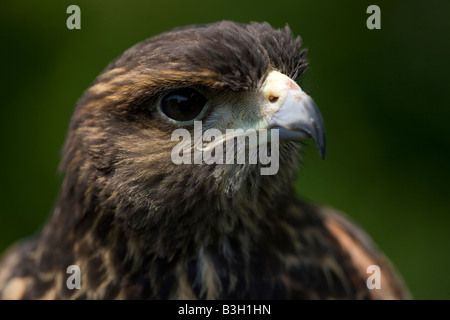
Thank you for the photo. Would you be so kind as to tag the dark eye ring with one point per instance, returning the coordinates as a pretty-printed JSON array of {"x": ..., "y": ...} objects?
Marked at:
[{"x": 182, "y": 105}]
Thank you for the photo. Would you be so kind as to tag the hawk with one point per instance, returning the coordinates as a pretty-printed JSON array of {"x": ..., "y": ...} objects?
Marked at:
[{"x": 140, "y": 226}]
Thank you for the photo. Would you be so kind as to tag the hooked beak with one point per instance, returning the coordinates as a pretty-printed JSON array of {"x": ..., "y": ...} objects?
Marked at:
[{"x": 297, "y": 117}]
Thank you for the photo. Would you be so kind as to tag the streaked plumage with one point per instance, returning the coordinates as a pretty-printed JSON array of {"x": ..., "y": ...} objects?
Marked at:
[{"x": 141, "y": 227}]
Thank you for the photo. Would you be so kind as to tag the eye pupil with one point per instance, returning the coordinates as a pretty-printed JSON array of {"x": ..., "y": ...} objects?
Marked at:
[{"x": 183, "y": 104}]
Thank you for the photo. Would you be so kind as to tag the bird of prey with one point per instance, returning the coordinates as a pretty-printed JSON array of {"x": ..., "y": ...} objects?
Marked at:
[{"x": 138, "y": 225}]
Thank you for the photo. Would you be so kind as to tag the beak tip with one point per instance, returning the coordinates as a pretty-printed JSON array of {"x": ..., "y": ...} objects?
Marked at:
[
  {"x": 322, "y": 149},
  {"x": 319, "y": 137},
  {"x": 322, "y": 154}
]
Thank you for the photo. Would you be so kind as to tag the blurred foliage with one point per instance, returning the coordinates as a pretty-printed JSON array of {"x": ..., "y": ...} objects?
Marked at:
[{"x": 384, "y": 95}]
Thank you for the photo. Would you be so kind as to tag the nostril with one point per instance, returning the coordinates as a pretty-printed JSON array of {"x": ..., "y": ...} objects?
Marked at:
[{"x": 273, "y": 99}]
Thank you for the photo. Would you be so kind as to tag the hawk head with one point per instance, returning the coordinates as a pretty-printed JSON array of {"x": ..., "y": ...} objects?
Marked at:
[{"x": 118, "y": 155}]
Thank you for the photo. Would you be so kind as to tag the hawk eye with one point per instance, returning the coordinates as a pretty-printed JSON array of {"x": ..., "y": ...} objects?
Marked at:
[{"x": 183, "y": 104}]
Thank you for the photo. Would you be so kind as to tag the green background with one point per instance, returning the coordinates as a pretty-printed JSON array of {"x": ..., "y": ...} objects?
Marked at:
[{"x": 384, "y": 95}]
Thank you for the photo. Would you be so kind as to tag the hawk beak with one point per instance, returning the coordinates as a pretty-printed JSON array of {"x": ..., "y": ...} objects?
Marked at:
[{"x": 297, "y": 117}]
